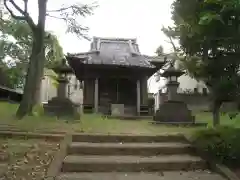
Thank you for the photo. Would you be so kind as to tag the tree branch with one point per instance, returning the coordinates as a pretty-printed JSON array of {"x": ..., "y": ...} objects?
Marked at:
[
  {"x": 61, "y": 9},
  {"x": 93, "y": 5},
  {"x": 51, "y": 16},
  {"x": 173, "y": 45},
  {"x": 25, "y": 15},
  {"x": 25, "y": 5},
  {"x": 17, "y": 7},
  {"x": 11, "y": 12}
]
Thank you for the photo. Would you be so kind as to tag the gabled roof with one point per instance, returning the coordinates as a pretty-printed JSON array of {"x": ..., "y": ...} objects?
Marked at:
[{"x": 114, "y": 51}]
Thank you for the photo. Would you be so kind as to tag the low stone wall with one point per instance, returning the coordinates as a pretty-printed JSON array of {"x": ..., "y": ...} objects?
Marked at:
[{"x": 199, "y": 102}]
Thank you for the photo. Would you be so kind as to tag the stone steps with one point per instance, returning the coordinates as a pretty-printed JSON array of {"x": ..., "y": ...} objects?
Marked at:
[
  {"x": 143, "y": 149},
  {"x": 172, "y": 175},
  {"x": 118, "y": 157},
  {"x": 127, "y": 138},
  {"x": 75, "y": 163}
]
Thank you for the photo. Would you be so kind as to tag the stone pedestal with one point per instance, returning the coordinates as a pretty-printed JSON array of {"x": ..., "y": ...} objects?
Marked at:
[
  {"x": 172, "y": 90},
  {"x": 61, "y": 90},
  {"x": 117, "y": 109},
  {"x": 61, "y": 105},
  {"x": 174, "y": 112}
]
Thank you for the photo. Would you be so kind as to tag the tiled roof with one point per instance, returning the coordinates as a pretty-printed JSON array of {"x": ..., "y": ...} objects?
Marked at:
[
  {"x": 161, "y": 59},
  {"x": 114, "y": 59},
  {"x": 114, "y": 51}
]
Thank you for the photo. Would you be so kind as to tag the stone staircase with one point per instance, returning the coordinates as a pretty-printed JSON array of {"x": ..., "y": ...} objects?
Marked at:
[{"x": 132, "y": 157}]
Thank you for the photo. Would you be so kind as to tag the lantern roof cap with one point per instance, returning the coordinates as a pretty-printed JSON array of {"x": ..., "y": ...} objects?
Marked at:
[
  {"x": 172, "y": 71},
  {"x": 62, "y": 67}
]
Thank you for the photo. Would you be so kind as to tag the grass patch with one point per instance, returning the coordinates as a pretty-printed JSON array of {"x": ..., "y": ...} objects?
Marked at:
[
  {"x": 96, "y": 124},
  {"x": 225, "y": 120},
  {"x": 88, "y": 124}
]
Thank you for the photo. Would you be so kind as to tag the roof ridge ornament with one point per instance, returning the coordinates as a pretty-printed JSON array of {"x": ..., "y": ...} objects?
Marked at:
[
  {"x": 98, "y": 45},
  {"x": 132, "y": 50},
  {"x": 131, "y": 47},
  {"x": 134, "y": 40}
]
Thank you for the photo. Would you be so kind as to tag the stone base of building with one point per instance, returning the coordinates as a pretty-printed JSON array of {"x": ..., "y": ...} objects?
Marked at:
[
  {"x": 119, "y": 110},
  {"x": 181, "y": 124},
  {"x": 174, "y": 112},
  {"x": 130, "y": 117},
  {"x": 62, "y": 107}
]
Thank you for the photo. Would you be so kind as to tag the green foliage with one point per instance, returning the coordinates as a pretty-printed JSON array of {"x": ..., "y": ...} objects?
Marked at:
[
  {"x": 38, "y": 55},
  {"x": 54, "y": 51},
  {"x": 20, "y": 47},
  {"x": 15, "y": 44},
  {"x": 208, "y": 32},
  {"x": 69, "y": 13},
  {"x": 16, "y": 37},
  {"x": 52, "y": 75},
  {"x": 220, "y": 143},
  {"x": 208, "y": 17},
  {"x": 159, "y": 50},
  {"x": 4, "y": 80}
]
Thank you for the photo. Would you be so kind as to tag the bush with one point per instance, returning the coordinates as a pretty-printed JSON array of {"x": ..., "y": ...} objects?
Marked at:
[{"x": 220, "y": 143}]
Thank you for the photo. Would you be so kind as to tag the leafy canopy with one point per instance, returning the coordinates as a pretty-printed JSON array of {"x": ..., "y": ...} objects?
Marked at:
[
  {"x": 15, "y": 48},
  {"x": 208, "y": 32}
]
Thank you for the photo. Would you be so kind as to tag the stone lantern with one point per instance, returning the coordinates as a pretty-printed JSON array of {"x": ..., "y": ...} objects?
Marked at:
[
  {"x": 172, "y": 74},
  {"x": 61, "y": 105},
  {"x": 173, "y": 111}
]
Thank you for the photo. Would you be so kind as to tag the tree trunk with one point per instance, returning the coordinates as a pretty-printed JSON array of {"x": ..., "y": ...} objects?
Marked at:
[
  {"x": 32, "y": 78},
  {"x": 36, "y": 64},
  {"x": 38, "y": 94},
  {"x": 42, "y": 4},
  {"x": 216, "y": 113},
  {"x": 30, "y": 87}
]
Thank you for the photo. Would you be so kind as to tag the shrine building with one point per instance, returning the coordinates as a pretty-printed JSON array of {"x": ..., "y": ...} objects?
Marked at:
[{"x": 115, "y": 76}]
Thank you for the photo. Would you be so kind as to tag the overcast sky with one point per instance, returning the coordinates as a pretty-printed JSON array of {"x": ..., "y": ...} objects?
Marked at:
[{"x": 141, "y": 19}]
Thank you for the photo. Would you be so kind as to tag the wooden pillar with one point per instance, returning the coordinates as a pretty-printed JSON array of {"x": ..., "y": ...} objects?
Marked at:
[
  {"x": 117, "y": 91},
  {"x": 138, "y": 97},
  {"x": 84, "y": 92},
  {"x": 96, "y": 88},
  {"x": 88, "y": 89},
  {"x": 144, "y": 91}
]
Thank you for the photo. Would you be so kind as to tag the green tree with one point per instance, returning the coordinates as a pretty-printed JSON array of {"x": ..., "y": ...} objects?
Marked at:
[
  {"x": 15, "y": 45},
  {"x": 159, "y": 50},
  {"x": 68, "y": 14},
  {"x": 208, "y": 33}
]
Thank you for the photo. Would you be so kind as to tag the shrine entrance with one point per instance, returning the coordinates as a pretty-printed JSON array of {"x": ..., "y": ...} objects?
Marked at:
[{"x": 118, "y": 91}]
